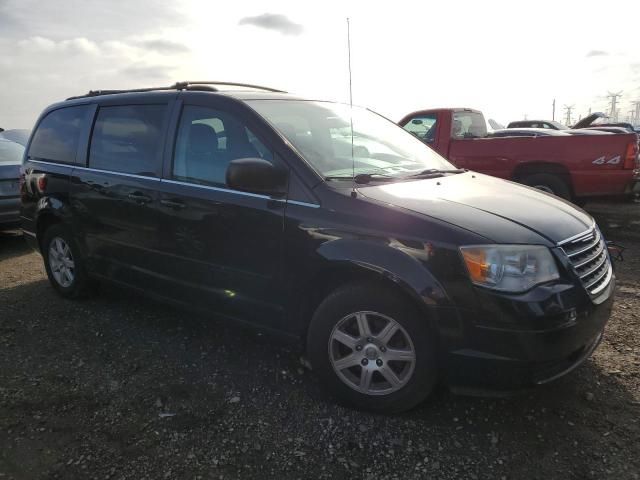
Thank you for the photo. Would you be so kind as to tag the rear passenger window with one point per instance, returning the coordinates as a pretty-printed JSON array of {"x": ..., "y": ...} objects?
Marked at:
[
  {"x": 128, "y": 139},
  {"x": 468, "y": 124},
  {"x": 207, "y": 141},
  {"x": 56, "y": 137}
]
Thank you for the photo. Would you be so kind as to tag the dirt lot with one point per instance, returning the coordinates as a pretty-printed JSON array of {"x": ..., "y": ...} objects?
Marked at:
[{"x": 121, "y": 387}]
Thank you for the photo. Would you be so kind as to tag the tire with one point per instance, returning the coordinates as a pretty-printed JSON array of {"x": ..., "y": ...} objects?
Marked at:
[
  {"x": 548, "y": 183},
  {"x": 341, "y": 313},
  {"x": 76, "y": 284}
]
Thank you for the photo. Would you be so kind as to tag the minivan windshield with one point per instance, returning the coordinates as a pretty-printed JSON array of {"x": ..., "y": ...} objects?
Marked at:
[{"x": 321, "y": 132}]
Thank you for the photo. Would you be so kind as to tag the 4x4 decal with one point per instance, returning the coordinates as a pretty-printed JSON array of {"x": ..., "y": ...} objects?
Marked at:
[{"x": 602, "y": 160}]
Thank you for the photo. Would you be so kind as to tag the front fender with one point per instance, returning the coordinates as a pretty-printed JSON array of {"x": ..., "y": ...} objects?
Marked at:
[{"x": 406, "y": 264}]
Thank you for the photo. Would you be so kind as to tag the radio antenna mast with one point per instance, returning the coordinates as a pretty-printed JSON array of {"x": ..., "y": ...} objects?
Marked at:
[{"x": 353, "y": 161}]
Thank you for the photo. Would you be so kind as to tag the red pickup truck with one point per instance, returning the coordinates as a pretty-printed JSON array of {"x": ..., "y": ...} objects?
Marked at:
[{"x": 571, "y": 164}]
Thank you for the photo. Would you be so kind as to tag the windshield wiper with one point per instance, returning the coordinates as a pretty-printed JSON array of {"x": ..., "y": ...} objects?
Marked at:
[
  {"x": 435, "y": 172},
  {"x": 364, "y": 178}
]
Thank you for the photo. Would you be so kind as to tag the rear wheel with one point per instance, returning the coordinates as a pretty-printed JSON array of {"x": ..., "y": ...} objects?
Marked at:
[
  {"x": 64, "y": 264},
  {"x": 372, "y": 348},
  {"x": 548, "y": 183}
]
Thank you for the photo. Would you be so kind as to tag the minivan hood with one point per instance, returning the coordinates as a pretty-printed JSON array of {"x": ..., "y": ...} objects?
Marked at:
[{"x": 499, "y": 210}]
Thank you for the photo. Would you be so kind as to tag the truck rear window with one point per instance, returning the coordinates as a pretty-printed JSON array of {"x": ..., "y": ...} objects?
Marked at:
[{"x": 468, "y": 124}]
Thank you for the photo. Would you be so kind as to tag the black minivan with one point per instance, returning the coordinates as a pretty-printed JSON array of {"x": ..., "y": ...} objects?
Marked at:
[{"x": 325, "y": 223}]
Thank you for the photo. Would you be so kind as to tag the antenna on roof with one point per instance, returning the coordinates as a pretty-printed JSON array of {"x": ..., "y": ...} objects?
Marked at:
[{"x": 353, "y": 161}]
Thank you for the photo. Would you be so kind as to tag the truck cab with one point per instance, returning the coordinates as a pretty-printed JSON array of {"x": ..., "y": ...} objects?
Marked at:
[{"x": 574, "y": 167}]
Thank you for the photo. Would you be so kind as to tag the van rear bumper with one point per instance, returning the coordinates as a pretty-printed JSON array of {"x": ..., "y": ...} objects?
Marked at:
[
  {"x": 29, "y": 232},
  {"x": 31, "y": 239}
]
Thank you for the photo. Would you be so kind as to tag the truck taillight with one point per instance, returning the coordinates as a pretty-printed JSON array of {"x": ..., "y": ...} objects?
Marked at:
[{"x": 631, "y": 157}]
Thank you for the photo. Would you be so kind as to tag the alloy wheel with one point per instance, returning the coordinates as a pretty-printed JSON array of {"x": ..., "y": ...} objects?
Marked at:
[
  {"x": 61, "y": 262},
  {"x": 372, "y": 353}
]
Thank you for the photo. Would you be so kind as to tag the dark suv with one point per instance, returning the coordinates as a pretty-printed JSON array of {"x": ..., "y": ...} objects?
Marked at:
[{"x": 321, "y": 222}]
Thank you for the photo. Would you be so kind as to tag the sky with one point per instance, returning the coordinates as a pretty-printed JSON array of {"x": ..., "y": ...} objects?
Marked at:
[{"x": 508, "y": 59}]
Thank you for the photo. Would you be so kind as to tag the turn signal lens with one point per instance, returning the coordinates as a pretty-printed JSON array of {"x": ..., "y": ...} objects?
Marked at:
[{"x": 476, "y": 264}]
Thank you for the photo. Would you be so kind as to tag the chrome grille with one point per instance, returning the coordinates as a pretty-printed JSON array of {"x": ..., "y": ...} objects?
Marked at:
[{"x": 589, "y": 258}]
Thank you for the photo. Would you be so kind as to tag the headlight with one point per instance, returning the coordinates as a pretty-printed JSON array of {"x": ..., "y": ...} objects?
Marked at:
[{"x": 509, "y": 268}]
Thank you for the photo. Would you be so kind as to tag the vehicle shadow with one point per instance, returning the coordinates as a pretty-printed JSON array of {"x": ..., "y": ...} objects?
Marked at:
[
  {"x": 12, "y": 244},
  {"x": 128, "y": 359}
]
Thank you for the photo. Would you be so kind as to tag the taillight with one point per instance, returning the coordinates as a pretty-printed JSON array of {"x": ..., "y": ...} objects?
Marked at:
[
  {"x": 631, "y": 157},
  {"x": 42, "y": 183}
]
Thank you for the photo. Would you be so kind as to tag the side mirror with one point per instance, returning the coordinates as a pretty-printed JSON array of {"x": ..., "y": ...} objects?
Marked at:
[{"x": 256, "y": 175}]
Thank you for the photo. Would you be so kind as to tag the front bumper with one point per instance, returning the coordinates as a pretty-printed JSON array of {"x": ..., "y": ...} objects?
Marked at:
[{"x": 513, "y": 343}]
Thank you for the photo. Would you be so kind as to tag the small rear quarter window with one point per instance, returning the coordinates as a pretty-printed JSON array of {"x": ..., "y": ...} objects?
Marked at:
[{"x": 56, "y": 137}]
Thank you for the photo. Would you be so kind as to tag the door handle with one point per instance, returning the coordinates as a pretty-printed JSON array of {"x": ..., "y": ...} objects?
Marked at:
[
  {"x": 139, "y": 197},
  {"x": 177, "y": 204}
]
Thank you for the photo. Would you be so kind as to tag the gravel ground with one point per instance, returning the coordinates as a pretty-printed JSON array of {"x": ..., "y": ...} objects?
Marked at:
[{"x": 120, "y": 387}]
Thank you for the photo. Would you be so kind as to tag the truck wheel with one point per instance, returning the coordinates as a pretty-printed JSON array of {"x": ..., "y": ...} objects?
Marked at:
[
  {"x": 64, "y": 264},
  {"x": 548, "y": 183},
  {"x": 372, "y": 349}
]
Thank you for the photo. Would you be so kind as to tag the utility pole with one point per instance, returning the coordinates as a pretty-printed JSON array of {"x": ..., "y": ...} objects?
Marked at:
[
  {"x": 553, "y": 112},
  {"x": 567, "y": 111},
  {"x": 636, "y": 116},
  {"x": 614, "y": 104}
]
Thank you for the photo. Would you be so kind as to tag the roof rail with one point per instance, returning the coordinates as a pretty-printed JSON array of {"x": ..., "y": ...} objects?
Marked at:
[
  {"x": 185, "y": 85},
  {"x": 188, "y": 85}
]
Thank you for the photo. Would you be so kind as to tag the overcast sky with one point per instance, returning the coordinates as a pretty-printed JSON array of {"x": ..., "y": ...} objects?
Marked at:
[{"x": 505, "y": 58}]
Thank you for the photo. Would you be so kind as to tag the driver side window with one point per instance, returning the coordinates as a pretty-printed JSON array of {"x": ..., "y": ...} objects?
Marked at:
[{"x": 208, "y": 140}]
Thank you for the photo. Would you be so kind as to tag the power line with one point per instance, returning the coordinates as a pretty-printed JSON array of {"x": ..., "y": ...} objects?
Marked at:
[
  {"x": 636, "y": 115},
  {"x": 567, "y": 111},
  {"x": 630, "y": 116},
  {"x": 613, "y": 104}
]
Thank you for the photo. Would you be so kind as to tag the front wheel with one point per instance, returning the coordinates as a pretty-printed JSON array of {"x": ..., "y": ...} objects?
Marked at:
[{"x": 372, "y": 348}]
